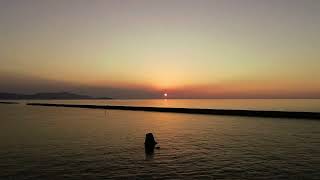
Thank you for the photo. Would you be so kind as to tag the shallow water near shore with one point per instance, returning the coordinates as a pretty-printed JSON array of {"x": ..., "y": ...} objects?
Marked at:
[{"x": 71, "y": 143}]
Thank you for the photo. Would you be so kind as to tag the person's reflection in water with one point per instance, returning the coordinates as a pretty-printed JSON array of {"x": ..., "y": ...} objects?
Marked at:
[{"x": 149, "y": 156}]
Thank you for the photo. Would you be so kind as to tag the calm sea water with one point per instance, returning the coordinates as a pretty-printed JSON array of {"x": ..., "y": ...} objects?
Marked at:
[{"x": 71, "y": 143}]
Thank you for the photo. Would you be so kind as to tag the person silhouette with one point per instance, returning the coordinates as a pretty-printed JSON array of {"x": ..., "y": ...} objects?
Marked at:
[{"x": 149, "y": 143}]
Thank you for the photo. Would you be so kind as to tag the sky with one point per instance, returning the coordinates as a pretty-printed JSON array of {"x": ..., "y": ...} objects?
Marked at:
[{"x": 145, "y": 48}]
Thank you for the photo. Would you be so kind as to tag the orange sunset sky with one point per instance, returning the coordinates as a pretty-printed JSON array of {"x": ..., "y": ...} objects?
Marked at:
[{"x": 144, "y": 48}]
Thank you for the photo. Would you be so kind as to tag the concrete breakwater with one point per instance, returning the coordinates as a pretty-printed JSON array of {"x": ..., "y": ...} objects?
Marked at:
[
  {"x": 8, "y": 102},
  {"x": 226, "y": 112}
]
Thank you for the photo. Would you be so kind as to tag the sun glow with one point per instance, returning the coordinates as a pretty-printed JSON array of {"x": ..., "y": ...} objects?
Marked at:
[{"x": 165, "y": 95}]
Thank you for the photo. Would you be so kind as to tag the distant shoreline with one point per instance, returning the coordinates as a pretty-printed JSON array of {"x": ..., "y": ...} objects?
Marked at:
[
  {"x": 224, "y": 112},
  {"x": 47, "y": 96}
]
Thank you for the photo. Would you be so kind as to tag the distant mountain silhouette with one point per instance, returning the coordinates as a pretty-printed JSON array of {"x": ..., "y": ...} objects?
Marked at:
[{"x": 47, "y": 95}]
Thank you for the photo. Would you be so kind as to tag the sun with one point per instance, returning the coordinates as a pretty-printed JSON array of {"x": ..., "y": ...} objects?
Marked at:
[{"x": 165, "y": 94}]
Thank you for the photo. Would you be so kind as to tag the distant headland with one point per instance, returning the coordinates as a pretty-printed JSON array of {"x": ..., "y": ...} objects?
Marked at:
[{"x": 46, "y": 96}]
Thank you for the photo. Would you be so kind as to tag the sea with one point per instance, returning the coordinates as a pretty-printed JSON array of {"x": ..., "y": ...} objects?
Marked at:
[{"x": 71, "y": 143}]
